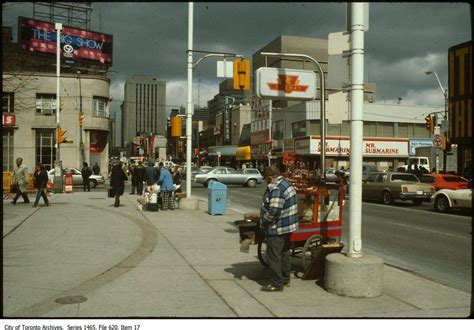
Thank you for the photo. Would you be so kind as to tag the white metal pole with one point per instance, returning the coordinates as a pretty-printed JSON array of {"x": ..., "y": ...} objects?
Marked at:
[
  {"x": 189, "y": 109},
  {"x": 270, "y": 106},
  {"x": 356, "y": 146},
  {"x": 58, "y": 27}
]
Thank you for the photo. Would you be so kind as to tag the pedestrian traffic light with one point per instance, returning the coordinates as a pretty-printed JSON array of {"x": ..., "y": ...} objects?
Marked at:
[
  {"x": 242, "y": 74},
  {"x": 81, "y": 120},
  {"x": 61, "y": 138},
  {"x": 176, "y": 126}
]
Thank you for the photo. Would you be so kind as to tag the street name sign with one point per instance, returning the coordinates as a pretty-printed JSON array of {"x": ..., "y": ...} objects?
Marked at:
[{"x": 285, "y": 84}]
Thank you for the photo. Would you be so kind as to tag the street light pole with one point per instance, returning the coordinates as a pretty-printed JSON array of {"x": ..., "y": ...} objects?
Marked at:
[
  {"x": 81, "y": 144},
  {"x": 58, "y": 175},
  {"x": 189, "y": 109},
  {"x": 445, "y": 94}
]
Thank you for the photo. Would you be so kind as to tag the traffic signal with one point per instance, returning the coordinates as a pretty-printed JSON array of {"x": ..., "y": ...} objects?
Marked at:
[
  {"x": 81, "y": 120},
  {"x": 445, "y": 145},
  {"x": 176, "y": 126},
  {"x": 242, "y": 74},
  {"x": 429, "y": 123},
  {"x": 61, "y": 138}
]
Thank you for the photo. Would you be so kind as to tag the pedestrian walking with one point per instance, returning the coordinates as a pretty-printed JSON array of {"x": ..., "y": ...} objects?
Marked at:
[
  {"x": 40, "y": 181},
  {"x": 133, "y": 178},
  {"x": 86, "y": 172},
  {"x": 140, "y": 173},
  {"x": 166, "y": 188},
  {"x": 19, "y": 181},
  {"x": 117, "y": 182},
  {"x": 152, "y": 174},
  {"x": 278, "y": 219},
  {"x": 96, "y": 169}
]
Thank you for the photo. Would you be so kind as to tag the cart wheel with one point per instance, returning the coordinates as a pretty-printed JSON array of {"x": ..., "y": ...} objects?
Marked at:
[
  {"x": 309, "y": 249},
  {"x": 261, "y": 251}
]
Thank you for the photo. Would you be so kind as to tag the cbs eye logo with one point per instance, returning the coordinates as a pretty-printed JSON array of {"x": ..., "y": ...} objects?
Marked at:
[{"x": 68, "y": 51}]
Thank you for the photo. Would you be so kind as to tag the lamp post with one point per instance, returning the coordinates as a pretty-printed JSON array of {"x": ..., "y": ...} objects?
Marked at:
[
  {"x": 81, "y": 113},
  {"x": 445, "y": 94}
]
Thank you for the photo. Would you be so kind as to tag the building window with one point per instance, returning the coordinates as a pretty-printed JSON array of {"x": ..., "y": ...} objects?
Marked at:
[
  {"x": 99, "y": 106},
  {"x": 7, "y": 150},
  {"x": 45, "y": 153},
  {"x": 7, "y": 102},
  {"x": 333, "y": 129},
  {"x": 277, "y": 130},
  {"x": 385, "y": 130},
  {"x": 298, "y": 128},
  {"x": 46, "y": 104},
  {"x": 420, "y": 131}
]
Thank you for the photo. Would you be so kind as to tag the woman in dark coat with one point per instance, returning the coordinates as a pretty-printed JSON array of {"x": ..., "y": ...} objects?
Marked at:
[
  {"x": 117, "y": 182},
  {"x": 40, "y": 181}
]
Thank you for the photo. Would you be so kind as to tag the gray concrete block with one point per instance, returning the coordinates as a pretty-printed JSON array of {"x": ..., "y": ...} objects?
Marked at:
[
  {"x": 188, "y": 204},
  {"x": 354, "y": 277}
]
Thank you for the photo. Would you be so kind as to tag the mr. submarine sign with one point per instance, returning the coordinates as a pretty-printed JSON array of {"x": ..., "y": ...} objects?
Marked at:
[
  {"x": 274, "y": 83},
  {"x": 76, "y": 44}
]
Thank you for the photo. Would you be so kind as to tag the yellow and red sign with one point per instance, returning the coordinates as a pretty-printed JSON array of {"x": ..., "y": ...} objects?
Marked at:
[{"x": 287, "y": 84}]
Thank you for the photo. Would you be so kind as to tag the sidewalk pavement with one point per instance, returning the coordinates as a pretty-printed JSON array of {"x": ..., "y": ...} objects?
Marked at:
[{"x": 81, "y": 257}]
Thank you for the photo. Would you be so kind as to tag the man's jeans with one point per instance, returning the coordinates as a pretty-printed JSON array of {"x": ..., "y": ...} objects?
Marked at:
[{"x": 278, "y": 258}]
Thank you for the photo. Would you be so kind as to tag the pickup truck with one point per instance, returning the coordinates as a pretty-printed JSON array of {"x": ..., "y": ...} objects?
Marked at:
[{"x": 228, "y": 175}]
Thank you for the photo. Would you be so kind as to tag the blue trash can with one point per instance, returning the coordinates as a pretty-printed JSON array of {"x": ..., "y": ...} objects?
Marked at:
[{"x": 217, "y": 197}]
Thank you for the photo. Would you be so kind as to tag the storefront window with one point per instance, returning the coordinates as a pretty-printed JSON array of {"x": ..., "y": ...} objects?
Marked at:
[
  {"x": 7, "y": 102},
  {"x": 298, "y": 128},
  {"x": 45, "y": 153},
  {"x": 7, "y": 150},
  {"x": 385, "y": 130},
  {"x": 46, "y": 104},
  {"x": 99, "y": 106}
]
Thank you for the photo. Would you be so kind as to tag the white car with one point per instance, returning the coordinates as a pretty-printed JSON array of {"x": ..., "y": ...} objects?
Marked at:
[
  {"x": 77, "y": 177},
  {"x": 446, "y": 199}
]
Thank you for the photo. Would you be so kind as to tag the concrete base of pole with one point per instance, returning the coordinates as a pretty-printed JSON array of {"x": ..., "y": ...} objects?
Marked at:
[
  {"x": 188, "y": 204},
  {"x": 354, "y": 277}
]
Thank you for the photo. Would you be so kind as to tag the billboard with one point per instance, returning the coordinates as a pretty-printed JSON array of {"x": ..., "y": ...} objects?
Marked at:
[{"x": 76, "y": 44}]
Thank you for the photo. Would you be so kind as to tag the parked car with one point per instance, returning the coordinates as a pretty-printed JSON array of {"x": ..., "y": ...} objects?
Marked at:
[
  {"x": 229, "y": 175},
  {"x": 389, "y": 186},
  {"x": 251, "y": 171},
  {"x": 367, "y": 169},
  {"x": 446, "y": 199},
  {"x": 77, "y": 177},
  {"x": 445, "y": 181},
  {"x": 206, "y": 168}
]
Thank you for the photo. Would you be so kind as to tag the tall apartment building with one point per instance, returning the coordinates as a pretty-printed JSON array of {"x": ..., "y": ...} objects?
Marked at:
[
  {"x": 223, "y": 100},
  {"x": 143, "y": 108}
]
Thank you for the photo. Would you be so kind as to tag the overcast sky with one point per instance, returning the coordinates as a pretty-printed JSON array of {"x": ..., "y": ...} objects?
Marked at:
[{"x": 404, "y": 40}]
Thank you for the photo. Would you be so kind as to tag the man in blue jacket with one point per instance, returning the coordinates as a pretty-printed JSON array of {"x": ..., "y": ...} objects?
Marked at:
[
  {"x": 166, "y": 188},
  {"x": 278, "y": 219}
]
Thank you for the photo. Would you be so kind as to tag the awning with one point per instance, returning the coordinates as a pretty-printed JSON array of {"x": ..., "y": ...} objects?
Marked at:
[{"x": 224, "y": 150}]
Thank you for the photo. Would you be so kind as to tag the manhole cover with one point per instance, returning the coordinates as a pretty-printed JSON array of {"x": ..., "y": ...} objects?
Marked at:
[
  {"x": 232, "y": 231},
  {"x": 71, "y": 300}
]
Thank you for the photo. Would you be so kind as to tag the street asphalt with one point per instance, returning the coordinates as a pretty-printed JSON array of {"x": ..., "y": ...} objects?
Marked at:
[{"x": 81, "y": 257}]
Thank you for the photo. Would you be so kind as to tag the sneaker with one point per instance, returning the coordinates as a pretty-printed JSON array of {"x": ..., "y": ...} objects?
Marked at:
[
  {"x": 271, "y": 288},
  {"x": 287, "y": 283},
  {"x": 33, "y": 205}
]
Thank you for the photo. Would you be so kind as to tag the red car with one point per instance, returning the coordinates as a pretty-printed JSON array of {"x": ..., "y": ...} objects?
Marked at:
[{"x": 445, "y": 181}]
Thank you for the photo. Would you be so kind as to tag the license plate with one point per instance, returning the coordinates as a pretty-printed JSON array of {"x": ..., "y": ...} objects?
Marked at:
[{"x": 419, "y": 192}]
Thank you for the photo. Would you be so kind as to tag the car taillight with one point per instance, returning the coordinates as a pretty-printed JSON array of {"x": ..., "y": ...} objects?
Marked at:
[{"x": 405, "y": 189}]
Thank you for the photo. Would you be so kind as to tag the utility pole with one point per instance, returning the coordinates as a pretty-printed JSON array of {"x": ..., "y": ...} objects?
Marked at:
[
  {"x": 81, "y": 114},
  {"x": 357, "y": 130},
  {"x": 270, "y": 106}
]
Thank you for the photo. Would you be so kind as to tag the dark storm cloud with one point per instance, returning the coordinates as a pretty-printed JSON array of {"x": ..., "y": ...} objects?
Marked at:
[{"x": 404, "y": 40}]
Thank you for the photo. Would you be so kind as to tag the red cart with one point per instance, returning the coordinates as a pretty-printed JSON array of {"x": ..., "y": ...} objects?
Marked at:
[{"x": 320, "y": 211}]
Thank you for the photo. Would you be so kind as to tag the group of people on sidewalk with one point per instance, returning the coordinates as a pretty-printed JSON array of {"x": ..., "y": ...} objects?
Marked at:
[
  {"x": 140, "y": 175},
  {"x": 19, "y": 188}
]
